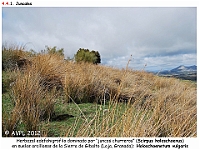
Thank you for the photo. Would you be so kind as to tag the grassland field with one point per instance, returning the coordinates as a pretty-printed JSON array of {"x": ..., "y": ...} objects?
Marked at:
[{"x": 62, "y": 98}]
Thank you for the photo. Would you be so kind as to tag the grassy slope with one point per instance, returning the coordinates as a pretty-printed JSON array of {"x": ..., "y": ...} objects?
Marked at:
[{"x": 158, "y": 106}]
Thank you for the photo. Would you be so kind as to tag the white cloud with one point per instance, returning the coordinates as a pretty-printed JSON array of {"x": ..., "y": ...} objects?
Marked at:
[{"x": 153, "y": 33}]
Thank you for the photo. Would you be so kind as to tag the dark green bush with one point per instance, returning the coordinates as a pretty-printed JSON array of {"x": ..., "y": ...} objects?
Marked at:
[{"x": 84, "y": 55}]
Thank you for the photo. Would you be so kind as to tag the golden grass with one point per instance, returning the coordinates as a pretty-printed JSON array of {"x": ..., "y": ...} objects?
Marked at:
[
  {"x": 34, "y": 93},
  {"x": 154, "y": 106},
  {"x": 159, "y": 106}
]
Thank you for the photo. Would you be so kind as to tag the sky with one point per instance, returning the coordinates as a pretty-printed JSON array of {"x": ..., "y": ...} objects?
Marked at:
[{"x": 157, "y": 38}]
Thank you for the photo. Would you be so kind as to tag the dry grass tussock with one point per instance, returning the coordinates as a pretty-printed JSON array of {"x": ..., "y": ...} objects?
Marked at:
[
  {"x": 155, "y": 106},
  {"x": 33, "y": 93}
]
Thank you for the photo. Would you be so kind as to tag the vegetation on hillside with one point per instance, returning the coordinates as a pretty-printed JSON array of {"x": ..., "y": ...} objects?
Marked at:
[
  {"x": 65, "y": 98},
  {"x": 85, "y": 55}
]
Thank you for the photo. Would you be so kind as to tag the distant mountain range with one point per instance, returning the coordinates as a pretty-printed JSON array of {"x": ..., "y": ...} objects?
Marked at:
[{"x": 181, "y": 70}]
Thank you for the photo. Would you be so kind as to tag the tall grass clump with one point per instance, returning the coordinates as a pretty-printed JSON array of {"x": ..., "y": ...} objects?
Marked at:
[
  {"x": 31, "y": 102},
  {"x": 83, "y": 82},
  {"x": 50, "y": 68},
  {"x": 34, "y": 93}
]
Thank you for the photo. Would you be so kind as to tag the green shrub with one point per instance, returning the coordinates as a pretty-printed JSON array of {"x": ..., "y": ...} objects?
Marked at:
[
  {"x": 53, "y": 50},
  {"x": 84, "y": 55}
]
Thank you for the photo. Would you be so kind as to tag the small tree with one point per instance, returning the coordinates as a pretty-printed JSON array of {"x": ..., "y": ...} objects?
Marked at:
[{"x": 84, "y": 55}]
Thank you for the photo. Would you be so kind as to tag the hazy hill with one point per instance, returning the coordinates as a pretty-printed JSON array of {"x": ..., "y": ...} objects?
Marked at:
[
  {"x": 183, "y": 72},
  {"x": 184, "y": 69}
]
